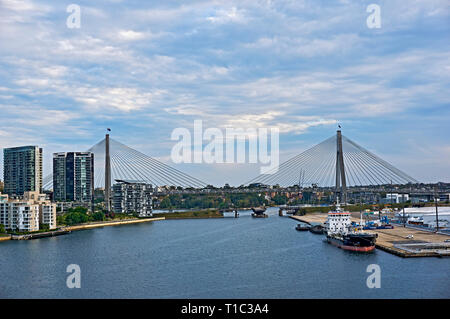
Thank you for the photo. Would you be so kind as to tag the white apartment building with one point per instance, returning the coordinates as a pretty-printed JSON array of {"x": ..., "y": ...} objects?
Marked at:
[
  {"x": 133, "y": 197},
  {"x": 27, "y": 213},
  {"x": 395, "y": 198}
]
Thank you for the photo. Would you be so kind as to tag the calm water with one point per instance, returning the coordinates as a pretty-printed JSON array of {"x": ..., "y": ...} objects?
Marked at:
[{"x": 216, "y": 258}]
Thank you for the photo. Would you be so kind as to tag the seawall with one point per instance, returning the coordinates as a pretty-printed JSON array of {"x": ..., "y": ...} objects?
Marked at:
[{"x": 112, "y": 223}]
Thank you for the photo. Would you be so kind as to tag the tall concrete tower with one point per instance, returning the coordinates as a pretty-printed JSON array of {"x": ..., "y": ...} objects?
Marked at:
[
  {"x": 341, "y": 183},
  {"x": 107, "y": 175}
]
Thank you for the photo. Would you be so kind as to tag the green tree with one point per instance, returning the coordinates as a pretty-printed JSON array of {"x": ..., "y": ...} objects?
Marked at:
[
  {"x": 74, "y": 218},
  {"x": 2, "y": 229},
  {"x": 98, "y": 216},
  {"x": 79, "y": 209}
]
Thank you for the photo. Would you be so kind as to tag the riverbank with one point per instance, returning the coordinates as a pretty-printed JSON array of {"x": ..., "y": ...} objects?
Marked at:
[
  {"x": 111, "y": 223},
  {"x": 67, "y": 229},
  {"x": 200, "y": 214},
  {"x": 5, "y": 237},
  {"x": 391, "y": 240}
]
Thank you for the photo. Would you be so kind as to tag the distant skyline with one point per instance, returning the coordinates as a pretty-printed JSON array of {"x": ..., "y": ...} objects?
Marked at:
[{"x": 146, "y": 68}]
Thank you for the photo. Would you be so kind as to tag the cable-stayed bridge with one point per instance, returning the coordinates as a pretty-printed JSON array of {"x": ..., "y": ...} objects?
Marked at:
[
  {"x": 324, "y": 162},
  {"x": 336, "y": 162},
  {"x": 129, "y": 164}
]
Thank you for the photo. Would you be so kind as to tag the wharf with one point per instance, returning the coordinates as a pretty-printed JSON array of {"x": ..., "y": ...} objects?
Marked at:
[
  {"x": 394, "y": 240},
  {"x": 51, "y": 233}
]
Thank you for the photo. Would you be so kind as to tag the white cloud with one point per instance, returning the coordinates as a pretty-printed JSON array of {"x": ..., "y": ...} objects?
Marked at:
[
  {"x": 19, "y": 5},
  {"x": 307, "y": 47},
  {"x": 130, "y": 35},
  {"x": 227, "y": 15},
  {"x": 122, "y": 99},
  {"x": 291, "y": 64}
]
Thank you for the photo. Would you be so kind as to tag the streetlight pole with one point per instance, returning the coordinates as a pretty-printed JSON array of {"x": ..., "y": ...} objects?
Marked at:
[{"x": 403, "y": 200}]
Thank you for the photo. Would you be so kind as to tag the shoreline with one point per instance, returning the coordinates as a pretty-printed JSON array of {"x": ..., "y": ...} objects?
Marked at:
[
  {"x": 110, "y": 223},
  {"x": 200, "y": 217},
  {"x": 198, "y": 214},
  {"x": 64, "y": 230},
  {"x": 5, "y": 238}
]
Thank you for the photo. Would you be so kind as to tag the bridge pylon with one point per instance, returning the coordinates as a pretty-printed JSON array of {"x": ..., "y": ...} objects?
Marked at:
[
  {"x": 341, "y": 183},
  {"x": 107, "y": 175}
]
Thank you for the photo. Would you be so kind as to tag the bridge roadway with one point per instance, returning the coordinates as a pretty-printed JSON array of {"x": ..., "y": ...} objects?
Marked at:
[{"x": 410, "y": 191}]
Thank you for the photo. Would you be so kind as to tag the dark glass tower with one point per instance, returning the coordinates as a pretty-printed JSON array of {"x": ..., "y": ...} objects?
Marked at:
[
  {"x": 22, "y": 169},
  {"x": 73, "y": 176}
]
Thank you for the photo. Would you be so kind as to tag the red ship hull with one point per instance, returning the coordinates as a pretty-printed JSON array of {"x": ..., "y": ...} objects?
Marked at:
[{"x": 362, "y": 249}]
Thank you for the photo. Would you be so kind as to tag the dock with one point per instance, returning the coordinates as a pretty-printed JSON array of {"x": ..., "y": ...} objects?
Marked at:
[
  {"x": 394, "y": 240},
  {"x": 51, "y": 233}
]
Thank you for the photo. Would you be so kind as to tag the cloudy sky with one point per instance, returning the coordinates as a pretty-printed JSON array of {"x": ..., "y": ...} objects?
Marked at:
[{"x": 144, "y": 68}]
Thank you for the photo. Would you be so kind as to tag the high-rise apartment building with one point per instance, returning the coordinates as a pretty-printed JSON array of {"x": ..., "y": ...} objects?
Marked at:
[
  {"x": 132, "y": 197},
  {"x": 73, "y": 176},
  {"x": 22, "y": 170}
]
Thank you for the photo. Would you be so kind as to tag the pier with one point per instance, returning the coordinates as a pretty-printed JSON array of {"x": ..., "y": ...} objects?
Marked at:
[
  {"x": 52, "y": 233},
  {"x": 394, "y": 240}
]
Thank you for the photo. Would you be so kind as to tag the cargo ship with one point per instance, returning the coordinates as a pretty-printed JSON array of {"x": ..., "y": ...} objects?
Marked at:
[{"x": 341, "y": 234}]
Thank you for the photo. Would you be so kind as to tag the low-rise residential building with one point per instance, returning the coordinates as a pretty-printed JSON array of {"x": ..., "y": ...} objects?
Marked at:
[
  {"x": 27, "y": 212},
  {"x": 395, "y": 198},
  {"x": 132, "y": 197}
]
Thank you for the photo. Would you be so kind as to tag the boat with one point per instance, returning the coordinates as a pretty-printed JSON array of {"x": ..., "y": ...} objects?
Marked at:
[
  {"x": 415, "y": 221},
  {"x": 301, "y": 227},
  {"x": 341, "y": 234},
  {"x": 258, "y": 212}
]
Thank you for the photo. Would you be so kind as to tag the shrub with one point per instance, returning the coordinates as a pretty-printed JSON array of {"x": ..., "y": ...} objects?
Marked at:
[{"x": 98, "y": 216}]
